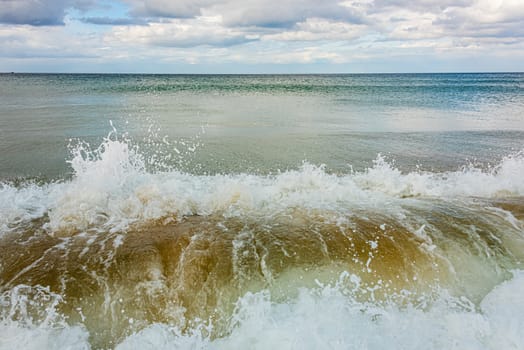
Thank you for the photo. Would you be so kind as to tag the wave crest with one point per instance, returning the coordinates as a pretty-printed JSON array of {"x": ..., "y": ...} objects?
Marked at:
[{"x": 111, "y": 189}]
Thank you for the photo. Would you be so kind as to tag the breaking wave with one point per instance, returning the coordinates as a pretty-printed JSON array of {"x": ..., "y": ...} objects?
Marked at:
[
  {"x": 120, "y": 256},
  {"x": 111, "y": 189}
]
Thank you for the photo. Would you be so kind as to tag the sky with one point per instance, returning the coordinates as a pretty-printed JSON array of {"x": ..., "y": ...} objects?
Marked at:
[{"x": 261, "y": 36}]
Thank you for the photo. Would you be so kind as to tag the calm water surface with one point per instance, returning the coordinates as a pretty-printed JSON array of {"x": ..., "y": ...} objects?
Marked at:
[{"x": 265, "y": 123}]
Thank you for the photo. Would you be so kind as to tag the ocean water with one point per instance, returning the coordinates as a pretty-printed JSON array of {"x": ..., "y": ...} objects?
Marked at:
[{"x": 262, "y": 211}]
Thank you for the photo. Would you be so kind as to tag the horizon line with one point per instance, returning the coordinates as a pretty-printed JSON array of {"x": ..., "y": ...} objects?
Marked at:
[{"x": 268, "y": 73}]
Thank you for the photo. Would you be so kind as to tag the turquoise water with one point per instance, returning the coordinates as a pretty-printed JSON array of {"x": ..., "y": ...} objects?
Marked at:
[{"x": 262, "y": 211}]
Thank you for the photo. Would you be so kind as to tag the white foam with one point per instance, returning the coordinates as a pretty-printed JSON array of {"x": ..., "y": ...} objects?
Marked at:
[
  {"x": 327, "y": 318},
  {"x": 29, "y": 320},
  {"x": 504, "y": 308},
  {"x": 111, "y": 189},
  {"x": 505, "y": 179},
  {"x": 19, "y": 205},
  {"x": 16, "y": 336}
]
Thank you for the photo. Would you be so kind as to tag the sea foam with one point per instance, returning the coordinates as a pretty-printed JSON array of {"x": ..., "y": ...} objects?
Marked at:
[
  {"x": 29, "y": 320},
  {"x": 111, "y": 189},
  {"x": 326, "y": 318}
]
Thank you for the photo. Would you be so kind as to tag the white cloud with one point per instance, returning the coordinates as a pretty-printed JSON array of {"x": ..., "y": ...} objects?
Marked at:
[
  {"x": 26, "y": 41},
  {"x": 485, "y": 18},
  {"x": 447, "y": 21},
  {"x": 180, "y": 33},
  {"x": 308, "y": 55},
  {"x": 316, "y": 29}
]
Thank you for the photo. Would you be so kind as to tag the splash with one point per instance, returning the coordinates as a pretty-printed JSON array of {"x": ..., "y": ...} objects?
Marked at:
[
  {"x": 29, "y": 320},
  {"x": 499, "y": 181},
  {"x": 112, "y": 189},
  {"x": 328, "y": 318},
  {"x": 122, "y": 254}
]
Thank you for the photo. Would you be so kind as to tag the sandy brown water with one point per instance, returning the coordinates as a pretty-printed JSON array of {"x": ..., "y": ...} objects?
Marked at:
[{"x": 192, "y": 270}]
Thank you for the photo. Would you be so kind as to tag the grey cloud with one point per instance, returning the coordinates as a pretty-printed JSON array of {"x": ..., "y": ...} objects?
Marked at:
[
  {"x": 33, "y": 12},
  {"x": 167, "y": 9},
  {"x": 395, "y": 20},
  {"x": 201, "y": 41},
  {"x": 420, "y": 5},
  {"x": 261, "y": 13},
  {"x": 405, "y": 20},
  {"x": 285, "y": 13},
  {"x": 507, "y": 22},
  {"x": 114, "y": 21},
  {"x": 182, "y": 33},
  {"x": 499, "y": 30},
  {"x": 38, "y": 12},
  {"x": 83, "y": 5}
]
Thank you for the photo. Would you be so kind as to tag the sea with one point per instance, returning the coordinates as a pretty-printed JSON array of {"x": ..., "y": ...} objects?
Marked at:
[{"x": 351, "y": 211}]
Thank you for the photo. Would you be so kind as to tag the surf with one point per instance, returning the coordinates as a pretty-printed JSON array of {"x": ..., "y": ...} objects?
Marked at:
[{"x": 123, "y": 253}]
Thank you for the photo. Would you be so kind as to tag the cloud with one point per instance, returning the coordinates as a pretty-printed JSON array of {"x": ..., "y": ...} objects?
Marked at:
[
  {"x": 38, "y": 12},
  {"x": 310, "y": 20},
  {"x": 452, "y": 21},
  {"x": 262, "y": 13},
  {"x": 32, "y": 12},
  {"x": 309, "y": 31},
  {"x": 316, "y": 29},
  {"x": 182, "y": 33},
  {"x": 262, "y": 31},
  {"x": 303, "y": 55},
  {"x": 485, "y": 18},
  {"x": 282, "y": 14},
  {"x": 45, "y": 42},
  {"x": 424, "y": 6},
  {"x": 234, "y": 22},
  {"x": 168, "y": 9},
  {"x": 114, "y": 21}
]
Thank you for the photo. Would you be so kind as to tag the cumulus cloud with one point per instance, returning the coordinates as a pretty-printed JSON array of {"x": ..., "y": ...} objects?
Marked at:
[
  {"x": 296, "y": 31},
  {"x": 314, "y": 29},
  {"x": 310, "y": 20},
  {"x": 267, "y": 31},
  {"x": 283, "y": 13},
  {"x": 309, "y": 54},
  {"x": 489, "y": 18},
  {"x": 430, "y": 19},
  {"x": 168, "y": 9},
  {"x": 48, "y": 42},
  {"x": 182, "y": 33},
  {"x": 420, "y": 5},
  {"x": 38, "y": 12},
  {"x": 263, "y": 13}
]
